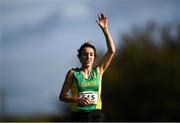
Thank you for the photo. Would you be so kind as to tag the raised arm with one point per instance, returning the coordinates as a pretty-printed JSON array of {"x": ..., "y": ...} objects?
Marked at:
[{"x": 106, "y": 60}]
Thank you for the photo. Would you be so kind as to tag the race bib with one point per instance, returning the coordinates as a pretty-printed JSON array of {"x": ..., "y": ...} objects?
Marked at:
[{"x": 92, "y": 95}]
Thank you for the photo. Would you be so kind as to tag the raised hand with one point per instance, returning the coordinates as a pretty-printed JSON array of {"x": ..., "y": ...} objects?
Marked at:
[{"x": 102, "y": 21}]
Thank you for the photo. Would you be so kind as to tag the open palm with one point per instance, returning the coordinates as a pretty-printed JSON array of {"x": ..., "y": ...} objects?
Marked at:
[{"x": 102, "y": 21}]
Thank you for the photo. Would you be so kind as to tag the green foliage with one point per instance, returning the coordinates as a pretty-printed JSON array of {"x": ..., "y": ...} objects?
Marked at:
[{"x": 143, "y": 82}]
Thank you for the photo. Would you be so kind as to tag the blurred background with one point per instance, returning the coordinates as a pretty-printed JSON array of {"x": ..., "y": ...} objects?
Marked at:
[{"x": 38, "y": 45}]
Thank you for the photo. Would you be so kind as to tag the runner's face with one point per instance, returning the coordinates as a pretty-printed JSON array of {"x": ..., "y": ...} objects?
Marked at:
[{"x": 87, "y": 57}]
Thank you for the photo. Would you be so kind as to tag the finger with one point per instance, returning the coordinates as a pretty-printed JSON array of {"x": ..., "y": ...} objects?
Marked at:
[
  {"x": 87, "y": 101},
  {"x": 83, "y": 102},
  {"x": 102, "y": 16},
  {"x": 97, "y": 22},
  {"x": 99, "y": 17},
  {"x": 92, "y": 102}
]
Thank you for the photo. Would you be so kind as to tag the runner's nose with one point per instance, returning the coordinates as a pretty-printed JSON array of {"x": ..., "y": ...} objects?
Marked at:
[{"x": 88, "y": 56}]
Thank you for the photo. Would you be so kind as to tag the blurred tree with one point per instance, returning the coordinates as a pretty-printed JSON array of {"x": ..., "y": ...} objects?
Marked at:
[{"x": 143, "y": 82}]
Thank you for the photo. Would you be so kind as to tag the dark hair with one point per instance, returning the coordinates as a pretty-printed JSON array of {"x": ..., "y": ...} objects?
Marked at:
[{"x": 87, "y": 44}]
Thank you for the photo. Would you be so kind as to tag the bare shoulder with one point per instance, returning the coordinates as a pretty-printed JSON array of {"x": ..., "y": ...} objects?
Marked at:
[{"x": 70, "y": 73}]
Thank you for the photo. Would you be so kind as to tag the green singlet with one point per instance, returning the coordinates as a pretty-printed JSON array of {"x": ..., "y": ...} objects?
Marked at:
[{"x": 90, "y": 88}]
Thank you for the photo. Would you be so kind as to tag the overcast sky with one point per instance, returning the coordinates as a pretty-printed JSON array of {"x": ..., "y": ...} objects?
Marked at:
[{"x": 39, "y": 41}]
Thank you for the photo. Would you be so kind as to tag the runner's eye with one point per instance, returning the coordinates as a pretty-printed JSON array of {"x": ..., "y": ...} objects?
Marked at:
[
  {"x": 91, "y": 54},
  {"x": 84, "y": 55}
]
